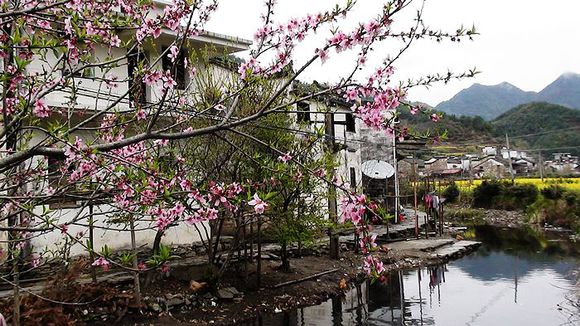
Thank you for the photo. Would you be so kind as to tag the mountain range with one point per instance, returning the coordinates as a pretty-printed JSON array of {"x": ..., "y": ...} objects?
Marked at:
[{"x": 491, "y": 101}]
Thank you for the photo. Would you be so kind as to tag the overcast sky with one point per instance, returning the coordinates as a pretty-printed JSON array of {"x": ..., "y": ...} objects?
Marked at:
[{"x": 528, "y": 43}]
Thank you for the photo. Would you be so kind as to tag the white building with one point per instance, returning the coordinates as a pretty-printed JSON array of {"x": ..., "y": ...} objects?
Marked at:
[
  {"x": 92, "y": 98},
  {"x": 332, "y": 110},
  {"x": 489, "y": 150}
]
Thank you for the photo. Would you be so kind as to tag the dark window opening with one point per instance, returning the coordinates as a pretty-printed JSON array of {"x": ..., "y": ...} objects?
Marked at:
[
  {"x": 177, "y": 68},
  {"x": 137, "y": 87},
  {"x": 352, "y": 178},
  {"x": 303, "y": 114},
  {"x": 350, "y": 122}
]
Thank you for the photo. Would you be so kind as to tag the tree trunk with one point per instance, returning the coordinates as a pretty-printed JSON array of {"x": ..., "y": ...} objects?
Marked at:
[
  {"x": 285, "y": 259},
  {"x": 136, "y": 281}
]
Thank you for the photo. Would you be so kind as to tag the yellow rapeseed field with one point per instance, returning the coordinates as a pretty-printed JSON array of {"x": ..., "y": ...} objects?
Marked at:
[{"x": 567, "y": 183}]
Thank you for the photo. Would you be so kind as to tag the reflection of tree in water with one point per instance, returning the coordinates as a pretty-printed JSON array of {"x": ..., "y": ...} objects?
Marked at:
[
  {"x": 510, "y": 252},
  {"x": 507, "y": 254}
]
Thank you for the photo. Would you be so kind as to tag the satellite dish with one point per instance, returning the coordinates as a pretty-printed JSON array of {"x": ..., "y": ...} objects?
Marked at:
[{"x": 376, "y": 169}]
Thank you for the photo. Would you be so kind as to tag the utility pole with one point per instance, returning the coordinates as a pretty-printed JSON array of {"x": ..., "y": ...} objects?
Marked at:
[
  {"x": 541, "y": 166},
  {"x": 332, "y": 209},
  {"x": 507, "y": 141},
  {"x": 396, "y": 176}
]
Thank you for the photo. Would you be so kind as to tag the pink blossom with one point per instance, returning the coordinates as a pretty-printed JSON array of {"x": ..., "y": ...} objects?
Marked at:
[
  {"x": 211, "y": 213},
  {"x": 285, "y": 158},
  {"x": 168, "y": 82},
  {"x": 101, "y": 261},
  {"x": 35, "y": 260},
  {"x": 351, "y": 94},
  {"x": 362, "y": 60},
  {"x": 40, "y": 109},
  {"x": 110, "y": 81},
  {"x": 185, "y": 185},
  {"x": 373, "y": 266},
  {"x": 173, "y": 53},
  {"x": 90, "y": 29},
  {"x": 140, "y": 115},
  {"x": 115, "y": 41},
  {"x": 351, "y": 211},
  {"x": 320, "y": 173},
  {"x": 259, "y": 205},
  {"x": 151, "y": 77},
  {"x": 63, "y": 228},
  {"x": 434, "y": 117},
  {"x": 172, "y": 24},
  {"x": 163, "y": 221},
  {"x": 68, "y": 26},
  {"x": 322, "y": 54},
  {"x": 43, "y": 23}
]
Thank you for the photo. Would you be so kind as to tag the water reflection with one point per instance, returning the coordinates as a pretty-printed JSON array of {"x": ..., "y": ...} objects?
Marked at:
[{"x": 500, "y": 284}]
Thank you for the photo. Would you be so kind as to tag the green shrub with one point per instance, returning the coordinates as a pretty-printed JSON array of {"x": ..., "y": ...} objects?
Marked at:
[
  {"x": 504, "y": 195},
  {"x": 553, "y": 192},
  {"x": 484, "y": 193},
  {"x": 563, "y": 211},
  {"x": 520, "y": 196},
  {"x": 451, "y": 193}
]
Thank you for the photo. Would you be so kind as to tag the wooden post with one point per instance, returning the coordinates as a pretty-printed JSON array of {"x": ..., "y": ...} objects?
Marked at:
[
  {"x": 92, "y": 244},
  {"x": 415, "y": 199},
  {"x": 439, "y": 222},
  {"x": 541, "y": 166}
]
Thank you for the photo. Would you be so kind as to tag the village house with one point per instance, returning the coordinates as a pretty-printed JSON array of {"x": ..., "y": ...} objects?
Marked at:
[
  {"x": 89, "y": 98},
  {"x": 489, "y": 151},
  {"x": 435, "y": 165},
  {"x": 523, "y": 166},
  {"x": 405, "y": 167},
  {"x": 331, "y": 110},
  {"x": 489, "y": 167},
  {"x": 563, "y": 163}
]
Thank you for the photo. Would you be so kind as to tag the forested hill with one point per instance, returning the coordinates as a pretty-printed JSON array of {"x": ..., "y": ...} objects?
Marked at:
[
  {"x": 552, "y": 126},
  {"x": 557, "y": 126},
  {"x": 457, "y": 128}
]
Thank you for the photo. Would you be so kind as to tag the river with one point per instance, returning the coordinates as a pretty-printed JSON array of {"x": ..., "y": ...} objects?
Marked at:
[{"x": 517, "y": 277}]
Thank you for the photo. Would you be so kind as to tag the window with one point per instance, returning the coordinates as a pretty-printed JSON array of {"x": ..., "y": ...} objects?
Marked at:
[
  {"x": 177, "y": 68},
  {"x": 350, "y": 123},
  {"x": 138, "y": 90},
  {"x": 353, "y": 178},
  {"x": 59, "y": 181},
  {"x": 303, "y": 114}
]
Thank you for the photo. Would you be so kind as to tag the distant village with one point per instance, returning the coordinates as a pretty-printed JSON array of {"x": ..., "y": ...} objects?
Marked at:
[{"x": 492, "y": 162}]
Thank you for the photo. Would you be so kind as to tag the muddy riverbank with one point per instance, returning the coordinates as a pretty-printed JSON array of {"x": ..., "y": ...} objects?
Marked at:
[{"x": 301, "y": 289}]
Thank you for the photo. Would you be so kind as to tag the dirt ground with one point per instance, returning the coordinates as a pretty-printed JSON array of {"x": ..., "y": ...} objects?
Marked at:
[{"x": 210, "y": 310}]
